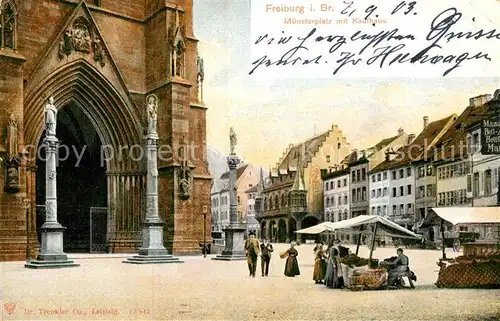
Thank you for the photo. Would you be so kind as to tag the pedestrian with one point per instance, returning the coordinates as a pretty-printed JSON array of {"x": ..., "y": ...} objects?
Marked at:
[
  {"x": 265, "y": 257},
  {"x": 292, "y": 265},
  {"x": 319, "y": 264},
  {"x": 334, "y": 275},
  {"x": 252, "y": 252}
]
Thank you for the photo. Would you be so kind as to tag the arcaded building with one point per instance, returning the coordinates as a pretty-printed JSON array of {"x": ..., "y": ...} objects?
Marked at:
[{"x": 99, "y": 60}]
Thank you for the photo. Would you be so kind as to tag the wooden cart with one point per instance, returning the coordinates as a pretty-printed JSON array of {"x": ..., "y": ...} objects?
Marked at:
[{"x": 455, "y": 239}]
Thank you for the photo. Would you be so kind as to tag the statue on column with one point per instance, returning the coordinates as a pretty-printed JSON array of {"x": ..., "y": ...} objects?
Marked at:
[
  {"x": 12, "y": 139},
  {"x": 233, "y": 140},
  {"x": 152, "y": 114},
  {"x": 185, "y": 181},
  {"x": 200, "y": 69},
  {"x": 50, "y": 117},
  {"x": 13, "y": 161}
]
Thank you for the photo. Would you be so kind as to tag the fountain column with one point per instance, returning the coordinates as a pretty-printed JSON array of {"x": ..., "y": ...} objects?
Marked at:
[
  {"x": 51, "y": 248},
  {"x": 235, "y": 231},
  {"x": 152, "y": 251}
]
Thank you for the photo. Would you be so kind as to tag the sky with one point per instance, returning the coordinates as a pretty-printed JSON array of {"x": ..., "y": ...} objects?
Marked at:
[{"x": 268, "y": 115}]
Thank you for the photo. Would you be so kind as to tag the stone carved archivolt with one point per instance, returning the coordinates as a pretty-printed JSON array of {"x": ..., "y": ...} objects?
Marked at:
[{"x": 81, "y": 38}]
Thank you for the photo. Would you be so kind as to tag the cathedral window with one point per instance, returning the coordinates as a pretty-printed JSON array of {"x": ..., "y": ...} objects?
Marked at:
[{"x": 7, "y": 28}]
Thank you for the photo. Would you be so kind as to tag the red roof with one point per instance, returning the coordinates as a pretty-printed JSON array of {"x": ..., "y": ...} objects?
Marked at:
[{"x": 239, "y": 172}]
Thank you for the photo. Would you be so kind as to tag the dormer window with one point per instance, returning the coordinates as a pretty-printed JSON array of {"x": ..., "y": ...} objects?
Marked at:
[
  {"x": 97, "y": 3},
  {"x": 7, "y": 28}
]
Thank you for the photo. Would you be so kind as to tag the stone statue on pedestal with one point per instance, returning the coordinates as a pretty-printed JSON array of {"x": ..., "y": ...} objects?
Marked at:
[
  {"x": 233, "y": 140},
  {"x": 152, "y": 114},
  {"x": 50, "y": 117},
  {"x": 184, "y": 182},
  {"x": 200, "y": 69}
]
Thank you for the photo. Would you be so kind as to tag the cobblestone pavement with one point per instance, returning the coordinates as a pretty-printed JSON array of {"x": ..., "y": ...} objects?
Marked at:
[{"x": 203, "y": 289}]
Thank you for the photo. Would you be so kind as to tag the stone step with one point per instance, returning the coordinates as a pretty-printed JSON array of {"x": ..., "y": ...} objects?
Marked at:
[
  {"x": 229, "y": 258},
  {"x": 159, "y": 259},
  {"x": 50, "y": 264}
]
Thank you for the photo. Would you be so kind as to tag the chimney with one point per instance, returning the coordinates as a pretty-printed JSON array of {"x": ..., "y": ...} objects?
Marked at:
[
  {"x": 401, "y": 131},
  {"x": 479, "y": 100},
  {"x": 411, "y": 137},
  {"x": 426, "y": 121},
  {"x": 355, "y": 151},
  {"x": 390, "y": 155}
]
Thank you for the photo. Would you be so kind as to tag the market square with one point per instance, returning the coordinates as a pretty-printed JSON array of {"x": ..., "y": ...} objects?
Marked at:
[{"x": 105, "y": 289}]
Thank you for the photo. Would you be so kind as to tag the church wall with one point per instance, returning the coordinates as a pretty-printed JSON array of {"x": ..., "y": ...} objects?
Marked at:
[
  {"x": 131, "y": 8},
  {"x": 199, "y": 138},
  {"x": 157, "y": 54},
  {"x": 38, "y": 24},
  {"x": 12, "y": 208},
  {"x": 126, "y": 42},
  {"x": 141, "y": 50},
  {"x": 40, "y": 21}
]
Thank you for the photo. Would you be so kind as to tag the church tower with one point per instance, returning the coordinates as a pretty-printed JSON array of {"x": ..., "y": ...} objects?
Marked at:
[
  {"x": 99, "y": 61},
  {"x": 175, "y": 75}
]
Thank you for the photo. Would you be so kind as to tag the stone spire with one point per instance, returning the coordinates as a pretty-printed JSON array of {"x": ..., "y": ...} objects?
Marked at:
[{"x": 260, "y": 188}]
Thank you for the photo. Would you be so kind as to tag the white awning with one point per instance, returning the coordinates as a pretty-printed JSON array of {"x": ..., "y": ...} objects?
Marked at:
[
  {"x": 388, "y": 226},
  {"x": 316, "y": 229},
  {"x": 469, "y": 215}
]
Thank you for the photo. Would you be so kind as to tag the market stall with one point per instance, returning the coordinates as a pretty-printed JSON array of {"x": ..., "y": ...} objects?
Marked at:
[
  {"x": 363, "y": 273},
  {"x": 479, "y": 266}
]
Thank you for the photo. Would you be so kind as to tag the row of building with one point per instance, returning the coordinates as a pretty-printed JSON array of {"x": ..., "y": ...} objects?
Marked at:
[{"x": 454, "y": 161}]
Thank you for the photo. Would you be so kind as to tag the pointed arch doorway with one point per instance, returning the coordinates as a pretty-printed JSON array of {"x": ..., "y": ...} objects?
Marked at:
[
  {"x": 81, "y": 183},
  {"x": 92, "y": 112}
]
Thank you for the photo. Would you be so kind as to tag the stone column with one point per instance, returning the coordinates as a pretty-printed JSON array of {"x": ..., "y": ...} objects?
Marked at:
[
  {"x": 152, "y": 251},
  {"x": 234, "y": 233},
  {"x": 51, "y": 248}
]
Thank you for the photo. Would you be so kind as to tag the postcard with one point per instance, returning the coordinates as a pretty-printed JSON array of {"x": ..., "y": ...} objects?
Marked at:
[{"x": 249, "y": 160}]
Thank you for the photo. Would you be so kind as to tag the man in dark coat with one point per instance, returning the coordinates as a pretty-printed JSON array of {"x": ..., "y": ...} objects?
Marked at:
[
  {"x": 252, "y": 252},
  {"x": 265, "y": 257}
]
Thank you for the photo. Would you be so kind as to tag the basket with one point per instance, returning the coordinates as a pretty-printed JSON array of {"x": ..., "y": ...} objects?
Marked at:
[
  {"x": 374, "y": 264},
  {"x": 283, "y": 255}
]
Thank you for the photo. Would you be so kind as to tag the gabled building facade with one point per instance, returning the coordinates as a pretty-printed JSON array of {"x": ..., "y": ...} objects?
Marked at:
[
  {"x": 246, "y": 177},
  {"x": 336, "y": 196},
  {"x": 422, "y": 159},
  {"x": 485, "y": 160},
  {"x": 251, "y": 222},
  {"x": 298, "y": 174},
  {"x": 220, "y": 214},
  {"x": 458, "y": 183},
  {"x": 359, "y": 171}
]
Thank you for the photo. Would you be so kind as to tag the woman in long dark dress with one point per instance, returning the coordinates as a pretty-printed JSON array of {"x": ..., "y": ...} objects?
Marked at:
[
  {"x": 319, "y": 264},
  {"x": 333, "y": 269},
  {"x": 292, "y": 265}
]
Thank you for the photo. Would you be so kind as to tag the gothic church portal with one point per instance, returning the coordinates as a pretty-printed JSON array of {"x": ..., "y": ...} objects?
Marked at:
[{"x": 99, "y": 60}]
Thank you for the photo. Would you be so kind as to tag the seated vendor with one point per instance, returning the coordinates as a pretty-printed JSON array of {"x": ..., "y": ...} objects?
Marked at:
[{"x": 399, "y": 269}]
